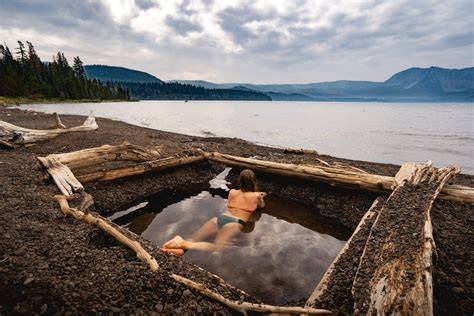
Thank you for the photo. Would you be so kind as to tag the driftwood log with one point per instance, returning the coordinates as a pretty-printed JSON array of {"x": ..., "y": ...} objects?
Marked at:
[
  {"x": 59, "y": 165},
  {"x": 140, "y": 168},
  {"x": 62, "y": 175},
  {"x": 108, "y": 228},
  {"x": 336, "y": 176},
  {"x": 148, "y": 160},
  {"x": 14, "y": 136},
  {"x": 396, "y": 265},
  {"x": 95, "y": 156},
  {"x": 245, "y": 307},
  {"x": 58, "y": 124}
]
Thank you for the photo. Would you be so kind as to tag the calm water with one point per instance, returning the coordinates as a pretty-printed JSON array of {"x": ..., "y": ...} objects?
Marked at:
[
  {"x": 381, "y": 132},
  {"x": 279, "y": 261}
]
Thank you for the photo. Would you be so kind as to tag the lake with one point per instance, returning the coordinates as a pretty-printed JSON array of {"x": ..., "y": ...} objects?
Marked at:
[{"x": 380, "y": 132}]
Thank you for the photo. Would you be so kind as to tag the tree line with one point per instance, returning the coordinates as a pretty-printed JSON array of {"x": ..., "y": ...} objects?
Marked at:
[
  {"x": 23, "y": 74},
  {"x": 179, "y": 91}
]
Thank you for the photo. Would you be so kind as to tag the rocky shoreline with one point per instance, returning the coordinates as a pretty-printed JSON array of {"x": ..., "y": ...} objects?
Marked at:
[{"x": 54, "y": 264}]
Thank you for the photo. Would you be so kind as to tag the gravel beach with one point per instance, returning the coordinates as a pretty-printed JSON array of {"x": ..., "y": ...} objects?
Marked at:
[{"x": 54, "y": 264}]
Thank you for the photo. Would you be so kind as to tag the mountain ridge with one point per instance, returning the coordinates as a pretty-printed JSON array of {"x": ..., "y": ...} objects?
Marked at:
[
  {"x": 119, "y": 74},
  {"x": 433, "y": 84}
]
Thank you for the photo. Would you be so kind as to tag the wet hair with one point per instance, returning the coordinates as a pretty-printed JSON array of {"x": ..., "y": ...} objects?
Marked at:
[{"x": 248, "y": 181}]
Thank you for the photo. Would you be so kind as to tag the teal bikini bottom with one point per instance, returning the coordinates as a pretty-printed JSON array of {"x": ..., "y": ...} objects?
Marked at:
[{"x": 225, "y": 219}]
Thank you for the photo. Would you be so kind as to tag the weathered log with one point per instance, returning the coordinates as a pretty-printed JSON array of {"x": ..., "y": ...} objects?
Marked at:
[
  {"x": 154, "y": 165},
  {"x": 58, "y": 124},
  {"x": 300, "y": 151},
  {"x": 401, "y": 281},
  {"x": 336, "y": 176},
  {"x": 94, "y": 156},
  {"x": 321, "y": 287},
  {"x": 142, "y": 254},
  {"x": 62, "y": 175},
  {"x": 245, "y": 307},
  {"x": 16, "y": 135}
]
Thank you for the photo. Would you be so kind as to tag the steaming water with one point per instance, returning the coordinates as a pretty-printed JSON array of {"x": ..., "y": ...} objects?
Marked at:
[
  {"x": 381, "y": 132},
  {"x": 277, "y": 262}
]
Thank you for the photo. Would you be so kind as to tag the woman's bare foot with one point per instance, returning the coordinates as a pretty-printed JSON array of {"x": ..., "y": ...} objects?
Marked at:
[
  {"x": 175, "y": 243},
  {"x": 177, "y": 252}
]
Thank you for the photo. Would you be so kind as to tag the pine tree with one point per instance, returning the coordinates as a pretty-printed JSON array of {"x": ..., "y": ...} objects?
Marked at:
[
  {"x": 79, "y": 68},
  {"x": 26, "y": 75}
]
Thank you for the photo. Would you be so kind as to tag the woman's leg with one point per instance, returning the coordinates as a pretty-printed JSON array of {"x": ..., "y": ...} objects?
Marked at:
[
  {"x": 208, "y": 229},
  {"x": 225, "y": 234}
]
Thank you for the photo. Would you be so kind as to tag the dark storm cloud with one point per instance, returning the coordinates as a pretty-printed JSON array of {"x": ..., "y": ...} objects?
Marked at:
[
  {"x": 60, "y": 13},
  {"x": 145, "y": 4},
  {"x": 254, "y": 39},
  {"x": 182, "y": 26},
  {"x": 232, "y": 21}
]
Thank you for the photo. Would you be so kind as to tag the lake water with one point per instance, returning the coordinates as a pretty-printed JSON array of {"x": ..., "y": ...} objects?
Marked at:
[
  {"x": 280, "y": 260},
  {"x": 380, "y": 132}
]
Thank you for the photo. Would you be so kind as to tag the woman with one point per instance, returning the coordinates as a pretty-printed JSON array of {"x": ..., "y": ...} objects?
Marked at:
[{"x": 240, "y": 214}]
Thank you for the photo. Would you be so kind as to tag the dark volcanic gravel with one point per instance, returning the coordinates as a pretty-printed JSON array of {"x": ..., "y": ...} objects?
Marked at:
[
  {"x": 453, "y": 275},
  {"x": 51, "y": 263},
  {"x": 337, "y": 296}
]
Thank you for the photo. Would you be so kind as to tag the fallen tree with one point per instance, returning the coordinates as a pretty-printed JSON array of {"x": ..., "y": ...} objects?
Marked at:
[
  {"x": 394, "y": 274},
  {"x": 95, "y": 156},
  {"x": 62, "y": 175},
  {"x": 341, "y": 177},
  {"x": 153, "y": 165},
  {"x": 85, "y": 216},
  {"x": 15, "y": 136},
  {"x": 59, "y": 166}
]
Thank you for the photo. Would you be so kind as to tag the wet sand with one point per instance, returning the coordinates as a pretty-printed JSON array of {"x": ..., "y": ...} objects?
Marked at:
[{"x": 54, "y": 264}]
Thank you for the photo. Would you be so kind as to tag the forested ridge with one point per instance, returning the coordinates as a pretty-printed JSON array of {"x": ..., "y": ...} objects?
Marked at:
[
  {"x": 179, "y": 91},
  {"x": 118, "y": 74},
  {"x": 23, "y": 74}
]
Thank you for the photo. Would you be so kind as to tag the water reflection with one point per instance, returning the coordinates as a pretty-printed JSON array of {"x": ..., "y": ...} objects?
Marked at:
[{"x": 280, "y": 260}]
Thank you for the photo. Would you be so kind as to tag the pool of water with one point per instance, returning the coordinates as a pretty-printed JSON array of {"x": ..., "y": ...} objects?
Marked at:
[{"x": 280, "y": 261}]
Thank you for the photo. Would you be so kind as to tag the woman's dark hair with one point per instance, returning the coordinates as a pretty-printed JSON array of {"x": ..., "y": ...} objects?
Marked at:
[{"x": 248, "y": 181}]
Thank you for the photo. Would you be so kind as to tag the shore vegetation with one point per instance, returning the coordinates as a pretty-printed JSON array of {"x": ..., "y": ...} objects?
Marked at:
[{"x": 24, "y": 76}]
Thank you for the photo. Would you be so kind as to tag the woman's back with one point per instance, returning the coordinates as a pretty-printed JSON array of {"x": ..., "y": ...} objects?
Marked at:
[{"x": 243, "y": 201}]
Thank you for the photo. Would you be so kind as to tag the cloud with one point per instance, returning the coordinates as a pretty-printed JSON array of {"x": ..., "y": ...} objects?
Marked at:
[{"x": 253, "y": 41}]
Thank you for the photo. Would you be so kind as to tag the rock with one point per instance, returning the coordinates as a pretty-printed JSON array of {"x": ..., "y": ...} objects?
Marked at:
[
  {"x": 159, "y": 308},
  {"x": 44, "y": 308},
  {"x": 187, "y": 292},
  {"x": 170, "y": 291},
  {"x": 458, "y": 290},
  {"x": 115, "y": 309},
  {"x": 28, "y": 281}
]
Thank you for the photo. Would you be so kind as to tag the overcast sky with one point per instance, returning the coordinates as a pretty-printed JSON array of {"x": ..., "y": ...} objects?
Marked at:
[{"x": 261, "y": 41}]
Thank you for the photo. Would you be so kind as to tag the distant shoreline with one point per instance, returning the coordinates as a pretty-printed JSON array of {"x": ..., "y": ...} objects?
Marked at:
[
  {"x": 8, "y": 101},
  {"x": 12, "y": 101}
]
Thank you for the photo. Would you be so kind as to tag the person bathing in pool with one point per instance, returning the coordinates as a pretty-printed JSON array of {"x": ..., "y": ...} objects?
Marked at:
[{"x": 240, "y": 216}]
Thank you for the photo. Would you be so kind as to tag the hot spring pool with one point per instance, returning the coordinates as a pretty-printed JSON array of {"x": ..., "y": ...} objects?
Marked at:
[{"x": 280, "y": 261}]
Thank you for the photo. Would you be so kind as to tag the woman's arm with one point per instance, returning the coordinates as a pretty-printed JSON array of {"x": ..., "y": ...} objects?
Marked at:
[{"x": 260, "y": 201}]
